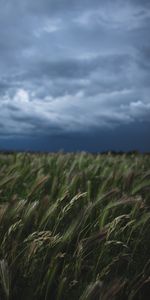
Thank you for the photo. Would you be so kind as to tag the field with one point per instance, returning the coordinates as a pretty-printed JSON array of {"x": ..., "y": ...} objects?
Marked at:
[{"x": 74, "y": 226}]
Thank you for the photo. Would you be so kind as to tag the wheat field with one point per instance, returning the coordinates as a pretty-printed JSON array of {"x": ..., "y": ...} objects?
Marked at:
[{"x": 74, "y": 226}]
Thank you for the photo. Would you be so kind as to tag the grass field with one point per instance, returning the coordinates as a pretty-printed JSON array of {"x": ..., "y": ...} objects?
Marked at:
[{"x": 74, "y": 226}]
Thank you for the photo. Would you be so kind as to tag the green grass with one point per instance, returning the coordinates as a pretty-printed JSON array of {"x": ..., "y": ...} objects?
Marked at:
[{"x": 74, "y": 226}]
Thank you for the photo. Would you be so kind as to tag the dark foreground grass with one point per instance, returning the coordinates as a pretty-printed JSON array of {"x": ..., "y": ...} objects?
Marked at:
[{"x": 74, "y": 226}]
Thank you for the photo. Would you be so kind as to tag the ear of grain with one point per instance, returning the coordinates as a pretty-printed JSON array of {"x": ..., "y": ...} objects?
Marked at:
[{"x": 5, "y": 277}]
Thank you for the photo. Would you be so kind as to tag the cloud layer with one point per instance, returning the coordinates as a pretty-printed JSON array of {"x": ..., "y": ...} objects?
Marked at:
[{"x": 73, "y": 66}]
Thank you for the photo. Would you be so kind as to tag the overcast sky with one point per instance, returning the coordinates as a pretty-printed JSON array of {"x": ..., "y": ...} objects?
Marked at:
[{"x": 73, "y": 72}]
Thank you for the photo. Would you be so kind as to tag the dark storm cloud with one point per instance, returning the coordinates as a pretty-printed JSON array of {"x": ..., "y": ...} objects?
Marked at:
[
  {"x": 143, "y": 58},
  {"x": 71, "y": 65},
  {"x": 77, "y": 68},
  {"x": 142, "y": 3}
]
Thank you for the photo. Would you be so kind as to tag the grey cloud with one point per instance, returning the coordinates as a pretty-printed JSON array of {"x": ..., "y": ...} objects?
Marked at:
[
  {"x": 72, "y": 113},
  {"x": 73, "y": 65}
]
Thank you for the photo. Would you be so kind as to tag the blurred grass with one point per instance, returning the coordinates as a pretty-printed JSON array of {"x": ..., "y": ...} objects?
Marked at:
[{"x": 74, "y": 226}]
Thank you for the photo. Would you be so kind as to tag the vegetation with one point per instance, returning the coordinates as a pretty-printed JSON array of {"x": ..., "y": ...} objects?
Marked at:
[{"x": 74, "y": 226}]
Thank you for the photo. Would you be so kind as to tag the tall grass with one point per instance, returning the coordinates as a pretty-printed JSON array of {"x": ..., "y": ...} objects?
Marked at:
[{"x": 74, "y": 226}]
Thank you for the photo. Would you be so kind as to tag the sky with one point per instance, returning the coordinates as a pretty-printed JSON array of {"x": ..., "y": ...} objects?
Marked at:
[{"x": 75, "y": 75}]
